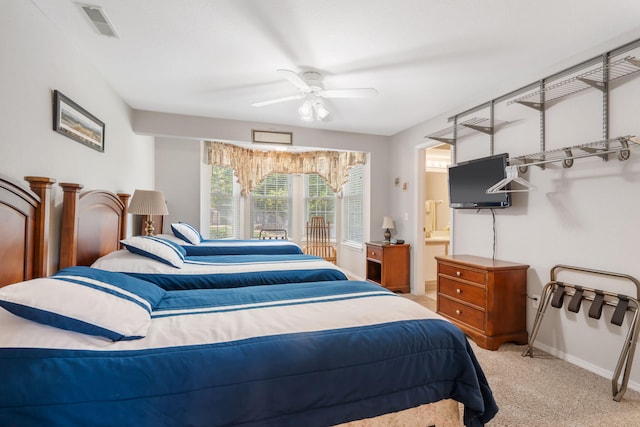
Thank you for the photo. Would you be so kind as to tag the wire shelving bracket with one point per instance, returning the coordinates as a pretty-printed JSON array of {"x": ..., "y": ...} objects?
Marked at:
[{"x": 476, "y": 124}]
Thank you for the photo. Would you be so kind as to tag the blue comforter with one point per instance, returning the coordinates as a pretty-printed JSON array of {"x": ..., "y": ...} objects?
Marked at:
[{"x": 315, "y": 354}]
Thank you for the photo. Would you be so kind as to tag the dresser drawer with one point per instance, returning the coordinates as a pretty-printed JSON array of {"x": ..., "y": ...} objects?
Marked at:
[
  {"x": 485, "y": 297},
  {"x": 374, "y": 252},
  {"x": 462, "y": 291},
  {"x": 461, "y": 313},
  {"x": 462, "y": 273}
]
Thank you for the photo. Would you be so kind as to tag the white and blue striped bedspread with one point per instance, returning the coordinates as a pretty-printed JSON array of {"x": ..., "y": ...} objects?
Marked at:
[
  {"x": 216, "y": 272},
  {"x": 237, "y": 246},
  {"x": 315, "y": 354}
]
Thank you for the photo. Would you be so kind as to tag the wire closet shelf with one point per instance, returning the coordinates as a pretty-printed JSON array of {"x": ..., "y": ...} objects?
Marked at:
[{"x": 593, "y": 78}]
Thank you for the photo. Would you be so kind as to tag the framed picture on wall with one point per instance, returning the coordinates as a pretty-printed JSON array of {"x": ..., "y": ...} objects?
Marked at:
[
  {"x": 271, "y": 137},
  {"x": 73, "y": 121}
]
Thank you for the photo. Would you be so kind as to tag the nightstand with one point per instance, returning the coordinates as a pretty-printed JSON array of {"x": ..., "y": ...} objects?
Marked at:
[{"x": 388, "y": 265}]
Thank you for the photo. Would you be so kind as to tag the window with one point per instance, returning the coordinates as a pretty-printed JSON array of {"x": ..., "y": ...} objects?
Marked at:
[
  {"x": 352, "y": 201},
  {"x": 285, "y": 202},
  {"x": 270, "y": 204},
  {"x": 320, "y": 200},
  {"x": 224, "y": 217}
]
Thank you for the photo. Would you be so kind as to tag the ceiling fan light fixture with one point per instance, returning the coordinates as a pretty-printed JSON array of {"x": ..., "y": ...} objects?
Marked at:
[
  {"x": 320, "y": 109},
  {"x": 311, "y": 89},
  {"x": 306, "y": 111}
]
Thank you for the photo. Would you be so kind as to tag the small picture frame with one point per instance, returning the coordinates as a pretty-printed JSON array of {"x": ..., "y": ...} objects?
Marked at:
[{"x": 73, "y": 121}]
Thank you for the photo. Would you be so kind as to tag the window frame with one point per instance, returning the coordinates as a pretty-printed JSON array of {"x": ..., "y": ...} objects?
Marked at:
[
  {"x": 353, "y": 205},
  {"x": 255, "y": 196},
  {"x": 234, "y": 196},
  {"x": 329, "y": 215}
]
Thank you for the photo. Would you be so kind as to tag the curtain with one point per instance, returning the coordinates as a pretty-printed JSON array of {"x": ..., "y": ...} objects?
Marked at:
[{"x": 251, "y": 166}]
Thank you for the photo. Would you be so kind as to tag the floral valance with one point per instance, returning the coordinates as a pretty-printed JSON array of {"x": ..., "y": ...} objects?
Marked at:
[{"x": 252, "y": 166}]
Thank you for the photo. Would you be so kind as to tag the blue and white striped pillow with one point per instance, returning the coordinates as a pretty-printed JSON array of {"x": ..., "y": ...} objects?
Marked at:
[
  {"x": 186, "y": 232},
  {"x": 86, "y": 300},
  {"x": 156, "y": 248}
]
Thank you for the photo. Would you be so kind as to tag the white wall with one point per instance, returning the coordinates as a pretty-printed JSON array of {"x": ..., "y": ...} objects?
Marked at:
[
  {"x": 582, "y": 216},
  {"x": 179, "y": 159},
  {"x": 35, "y": 61},
  {"x": 178, "y": 177}
]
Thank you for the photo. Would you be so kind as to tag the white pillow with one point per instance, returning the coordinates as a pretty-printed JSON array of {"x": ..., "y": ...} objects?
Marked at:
[
  {"x": 186, "y": 232},
  {"x": 174, "y": 239},
  {"x": 156, "y": 248},
  {"x": 86, "y": 300}
]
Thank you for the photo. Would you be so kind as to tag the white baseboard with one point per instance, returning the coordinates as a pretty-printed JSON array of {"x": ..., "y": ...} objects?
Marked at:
[{"x": 583, "y": 364}]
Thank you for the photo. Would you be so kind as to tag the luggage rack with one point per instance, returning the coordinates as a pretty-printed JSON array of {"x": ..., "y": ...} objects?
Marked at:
[{"x": 554, "y": 292}]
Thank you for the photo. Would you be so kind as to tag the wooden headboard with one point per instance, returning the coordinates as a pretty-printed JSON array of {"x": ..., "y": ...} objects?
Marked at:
[
  {"x": 93, "y": 223},
  {"x": 24, "y": 228}
]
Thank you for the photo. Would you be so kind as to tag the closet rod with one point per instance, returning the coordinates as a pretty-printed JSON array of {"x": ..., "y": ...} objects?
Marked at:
[
  {"x": 511, "y": 174},
  {"x": 625, "y": 142}
]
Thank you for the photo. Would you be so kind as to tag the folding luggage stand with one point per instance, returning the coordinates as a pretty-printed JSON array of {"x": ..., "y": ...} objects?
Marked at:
[{"x": 554, "y": 293}]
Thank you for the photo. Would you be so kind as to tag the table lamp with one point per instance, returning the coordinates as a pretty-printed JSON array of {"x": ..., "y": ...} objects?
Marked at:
[
  {"x": 387, "y": 225},
  {"x": 148, "y": 203}
]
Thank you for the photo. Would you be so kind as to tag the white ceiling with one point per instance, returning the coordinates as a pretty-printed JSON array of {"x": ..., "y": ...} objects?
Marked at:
[{"x": 214, "y": 58}]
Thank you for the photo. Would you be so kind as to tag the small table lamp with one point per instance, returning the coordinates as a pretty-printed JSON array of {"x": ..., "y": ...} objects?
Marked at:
[
  {"x": 387, "y": 225},
  {"x": 148, "y": 203}
]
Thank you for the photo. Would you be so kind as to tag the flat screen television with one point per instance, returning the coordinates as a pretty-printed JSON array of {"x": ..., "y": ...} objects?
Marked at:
[{"x": 468, "y": 183}]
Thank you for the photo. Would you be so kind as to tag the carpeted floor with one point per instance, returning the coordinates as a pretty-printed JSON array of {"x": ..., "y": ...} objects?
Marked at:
[{"x": 545, "y": 391}]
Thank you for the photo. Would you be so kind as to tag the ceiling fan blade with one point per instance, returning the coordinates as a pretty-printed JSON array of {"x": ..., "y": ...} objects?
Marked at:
[
  {"x": 277, "y": 100},
  {"x": 348, "y": 93},
  {"x": 295, "y": 79}
]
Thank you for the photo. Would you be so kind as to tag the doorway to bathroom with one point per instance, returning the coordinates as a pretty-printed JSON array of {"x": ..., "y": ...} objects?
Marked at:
[{"x": 437, "y": 214}]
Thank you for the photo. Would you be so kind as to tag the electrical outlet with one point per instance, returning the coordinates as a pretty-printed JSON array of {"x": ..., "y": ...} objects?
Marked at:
[{"x": 535, "y": 301}]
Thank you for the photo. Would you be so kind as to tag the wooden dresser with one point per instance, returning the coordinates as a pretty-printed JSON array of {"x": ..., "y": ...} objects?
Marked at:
[
  {"x": 388, "y": 265},
  {"x": 486, "y": 298}
]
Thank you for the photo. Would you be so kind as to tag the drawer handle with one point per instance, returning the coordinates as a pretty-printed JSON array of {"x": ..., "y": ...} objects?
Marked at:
[
  {"x": 458, "y": 273},
  {"x": 458, "y": 312},
  {"x": 373, "y": 253},
  {"x": 459, "y": 290}
]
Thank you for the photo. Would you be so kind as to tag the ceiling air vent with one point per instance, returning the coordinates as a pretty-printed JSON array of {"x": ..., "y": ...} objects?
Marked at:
[{"x": 99, "y": 20}]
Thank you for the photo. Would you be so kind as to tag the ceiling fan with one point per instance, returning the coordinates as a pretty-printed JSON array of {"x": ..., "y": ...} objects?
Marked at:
[{"x": 310, "y": 86}]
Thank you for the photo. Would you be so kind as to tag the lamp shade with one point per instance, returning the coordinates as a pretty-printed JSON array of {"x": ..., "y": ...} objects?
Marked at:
[
  {"x": 387, "y": 223},
  {"x": 148, "y": 202}
]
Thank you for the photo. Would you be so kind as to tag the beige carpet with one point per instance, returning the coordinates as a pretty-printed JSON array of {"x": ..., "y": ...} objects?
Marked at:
[{"x": 545, "y": 391}]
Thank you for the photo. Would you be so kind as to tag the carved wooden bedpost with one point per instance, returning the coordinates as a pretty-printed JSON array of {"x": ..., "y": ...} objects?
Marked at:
[
  {"x": 69, "y": 232},
  {"x": 124, "y": 198},
  {"x": 42, "y": 187}
]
